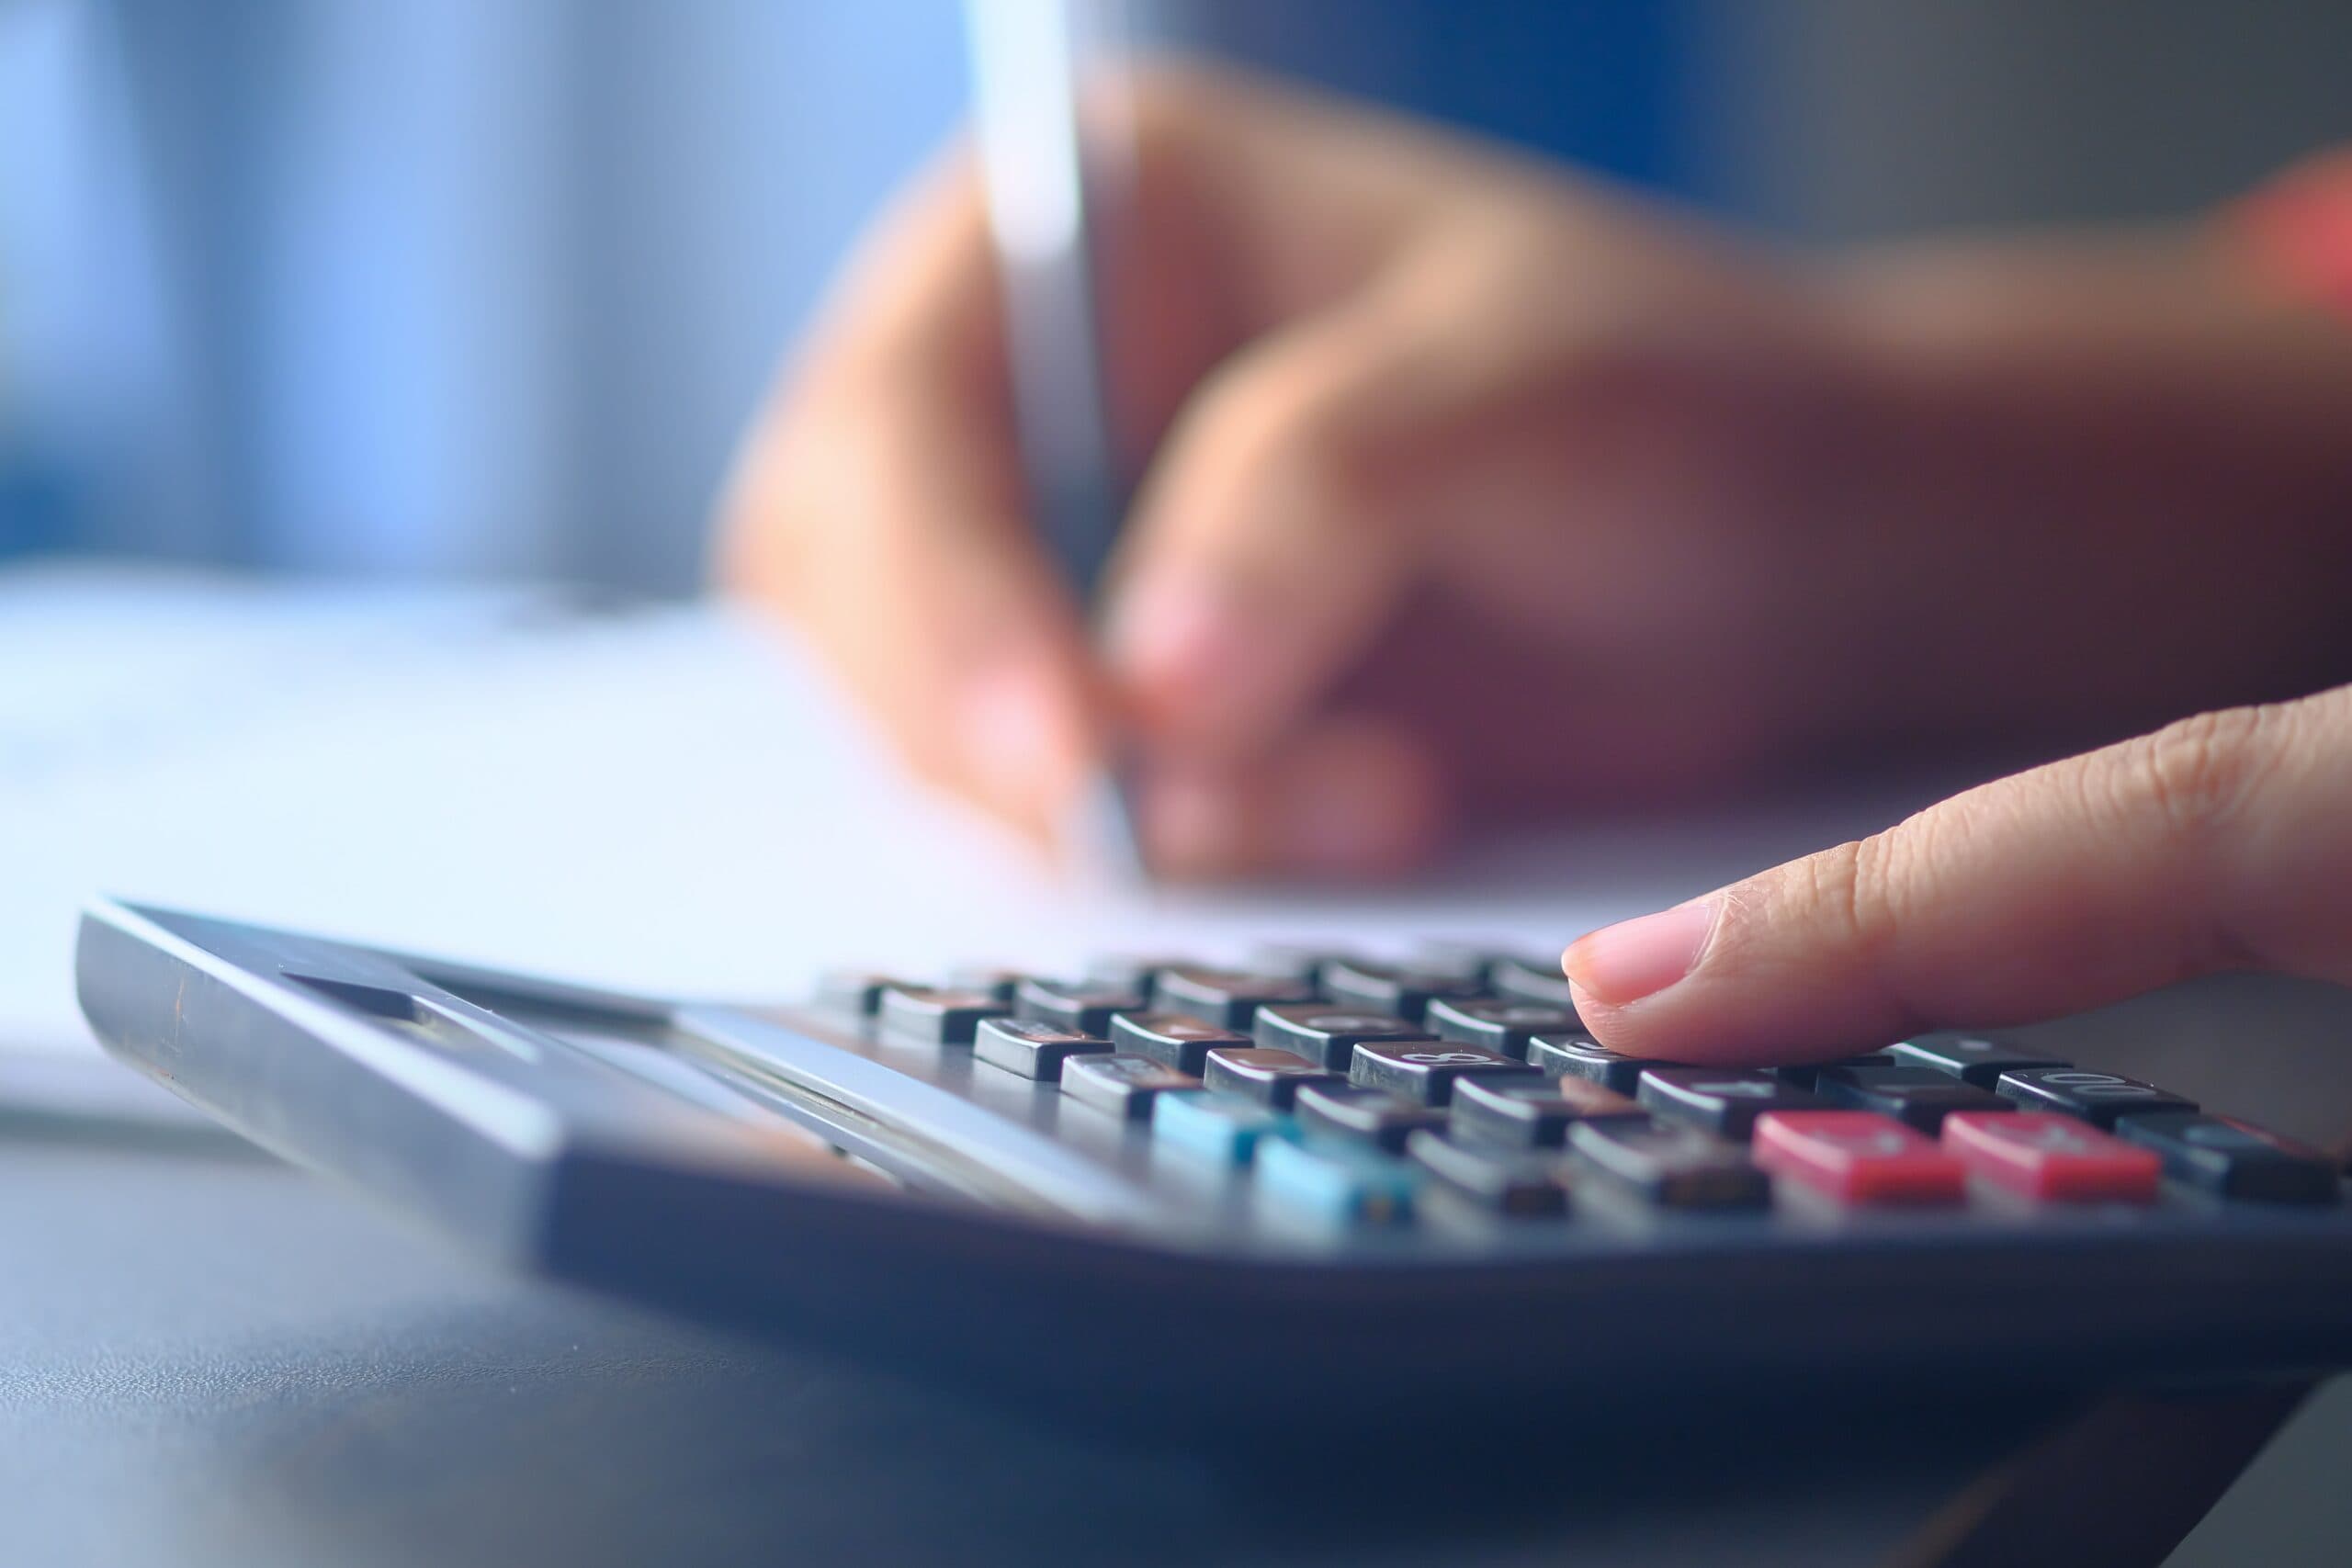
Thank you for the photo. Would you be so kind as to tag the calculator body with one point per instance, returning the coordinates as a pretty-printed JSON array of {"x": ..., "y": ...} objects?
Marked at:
[{"x": 800, "y": 1172}]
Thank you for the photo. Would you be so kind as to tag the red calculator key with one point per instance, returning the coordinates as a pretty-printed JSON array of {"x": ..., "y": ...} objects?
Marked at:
[
  {"x": 2053, "y": 1158},
  {"x": 1858, "y": 1156}
]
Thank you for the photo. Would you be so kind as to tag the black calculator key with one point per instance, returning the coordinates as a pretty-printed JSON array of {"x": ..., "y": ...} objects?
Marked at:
[
  {"x": 2096, "y": 1098},
  {"x": 1980, "y": 1062},
  {"x": 1723, "y": 1103},
  {"x": 1510, "y": 1181},
  {"x": 1295, "y": 961},
  {"x": 1270, "y": 1077},
  {"x": 1227, "y": 997},
  {"x": 1674, "y": 1167},
  {"x": 1498, "y": 1024},
  {"x": 1325, "y": 1033},
  {"x": 1083, "y": 1005},
  {"x": 2233, "y": 1158},
  {"x": 1804, "y": 1074},
  {"x": 1917, "y": 1097},
  {"x": 1425, "y": 1071},
  {"x": 1124, "y": 1085},
  {"x": 1530, "y": 979},
  {"x": 1531, "y": 1114},
  {"x": 1396, "y": 989},
  {"x": 1577, "y": 1056},
  {"x": 1172, "y": 1038},
  {"x": 1372, "y": 1115},
  {"x": 999, "y": 983},
  {"x": 853, "y": 991},
  {"x": 1034, "y": 1050},
  {"x": 1138, "y": 972},
  {"x": 944, "y": 1017}
]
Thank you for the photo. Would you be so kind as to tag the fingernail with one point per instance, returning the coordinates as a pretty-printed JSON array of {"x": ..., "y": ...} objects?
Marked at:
[
  {"x": 1020, "y": 747},
  {"x": 1637, "y": 958}
]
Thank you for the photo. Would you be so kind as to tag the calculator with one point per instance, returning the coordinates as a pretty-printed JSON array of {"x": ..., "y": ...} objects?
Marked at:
[{"x": 1287, "y": 1180}]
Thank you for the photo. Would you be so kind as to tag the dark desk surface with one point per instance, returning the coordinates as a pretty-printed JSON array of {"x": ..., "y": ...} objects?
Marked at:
[{"x": 207, "y": 1358}]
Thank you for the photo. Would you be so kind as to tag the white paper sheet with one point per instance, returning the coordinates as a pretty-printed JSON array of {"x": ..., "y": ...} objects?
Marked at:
[{"x": 666, "y": 800}]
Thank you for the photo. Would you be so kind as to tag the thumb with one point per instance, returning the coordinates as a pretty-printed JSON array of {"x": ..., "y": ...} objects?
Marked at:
[{"x": 2223, "y": 842}]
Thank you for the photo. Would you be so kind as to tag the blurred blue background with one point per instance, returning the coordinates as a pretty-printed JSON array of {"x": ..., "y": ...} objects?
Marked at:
[{"x": 485, "y": 287}]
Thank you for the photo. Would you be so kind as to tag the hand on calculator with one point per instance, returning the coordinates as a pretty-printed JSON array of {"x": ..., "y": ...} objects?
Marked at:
[{"x": 1482, "y": 489}]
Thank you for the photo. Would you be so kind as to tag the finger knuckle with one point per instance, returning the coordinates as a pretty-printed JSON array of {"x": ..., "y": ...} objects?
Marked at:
[{"x": 2195, "y": 775}]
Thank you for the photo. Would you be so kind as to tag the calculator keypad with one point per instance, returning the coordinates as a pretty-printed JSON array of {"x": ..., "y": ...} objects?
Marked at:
[{"x": 1317, "y": 1084}]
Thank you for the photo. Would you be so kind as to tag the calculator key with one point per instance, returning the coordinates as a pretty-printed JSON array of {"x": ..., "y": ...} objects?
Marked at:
[
  {"x": 1325, "y": 1033},
  {"x": 1980, "y": 1062},
  {"x": 853, "y": 991},
  {"x": 1337, "y": 1181},
  {"x": 1519, "y": 1182},
  {"x": 1138, "y": 972},
  {"x": 2235, "y": 1159},
  {"x": 1577, "y": 1057},
  {"x": 1425, "y": 1071},
  {"x": 999, "y": 983},
  {"x": 1503, "y": 1026},
  {"x": 2052, "y": 1157},
  {"x": 944, "y": 1016},
  {"x": 1227, "y": 997},
  {"x": 1674, "y": 1167},
  {"x": 1807, "y": 1074},
  {"x": 1124, "y": 1085},
  {"x": 1172, "y": 1038},
  {"x": 1395, "y": 989},
  {"x": 1531, "y": 1114},
  {"x": 1270, "y": 1077},
  {"x": 1298, "y": 961},
  {"x": 1531, "y": 979},
  {"x": 1368, "y": 1116},
  {"x": 1919, "y": 1097},
  {"x": 1725, "y": 1102},
  {"x": 1083, "y": 1005},
  {"x": 1215, "y": 1126},
  {"x": 1859, "y": 1157},
  {"x": 2096, "y": 1098},
  {"x": 1034, "y": 1050}
]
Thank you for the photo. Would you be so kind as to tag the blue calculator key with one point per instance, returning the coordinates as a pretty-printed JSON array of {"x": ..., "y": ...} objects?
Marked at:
[
  {"x": 2235, "y": 1159},
  {"x": 1337, "y": 1181},
  {"x": 1222, "y": 1127}
]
